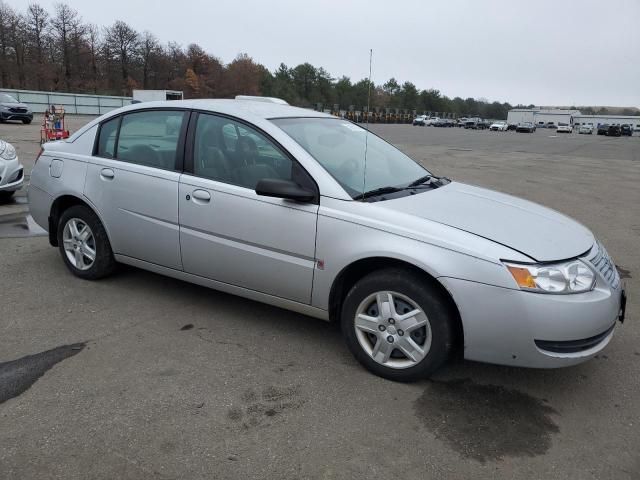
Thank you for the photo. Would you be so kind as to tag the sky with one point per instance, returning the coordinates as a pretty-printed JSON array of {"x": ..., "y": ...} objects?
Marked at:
[{"x": 544, "y": 52}]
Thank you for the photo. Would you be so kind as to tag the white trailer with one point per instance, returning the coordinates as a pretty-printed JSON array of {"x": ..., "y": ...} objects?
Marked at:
[
  {"x": 156, "y": 95},
  {"x": 517, "y": 116}
]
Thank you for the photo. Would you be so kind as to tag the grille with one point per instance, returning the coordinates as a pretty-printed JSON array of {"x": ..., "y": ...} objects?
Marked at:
[
  {"x": 18, "y": 110},
  {"x": 601, "y": 261}
]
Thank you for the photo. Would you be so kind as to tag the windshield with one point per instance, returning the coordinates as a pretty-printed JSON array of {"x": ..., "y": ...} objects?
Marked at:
[
  {"x": 339, "y": 146},
  {"x": 4, "y": 98}
]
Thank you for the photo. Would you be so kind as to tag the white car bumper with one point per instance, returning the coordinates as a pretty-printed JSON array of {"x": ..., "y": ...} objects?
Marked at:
[{"x": 11, "y": 175}]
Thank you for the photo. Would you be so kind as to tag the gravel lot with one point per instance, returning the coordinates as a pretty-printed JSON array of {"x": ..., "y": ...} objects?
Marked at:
[{"x": 141, "y": 376}]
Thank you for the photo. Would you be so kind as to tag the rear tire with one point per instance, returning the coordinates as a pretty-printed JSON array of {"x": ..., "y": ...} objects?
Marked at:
[
  {"x": 386, "y": 343},
  {"x": 89, "y": 257}
]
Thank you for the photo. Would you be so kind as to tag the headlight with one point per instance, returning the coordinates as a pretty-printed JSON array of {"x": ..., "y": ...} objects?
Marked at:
[
  {"x": 569, "y": 277},
  {"x": 7, "y": 151}
]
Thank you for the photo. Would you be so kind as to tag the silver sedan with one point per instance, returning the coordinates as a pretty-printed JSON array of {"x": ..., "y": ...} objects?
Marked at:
[{"x": 316, "y": 214}]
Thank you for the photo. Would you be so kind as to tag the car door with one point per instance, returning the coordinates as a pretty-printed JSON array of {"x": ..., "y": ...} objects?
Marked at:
[
  {"x": 132, "y": 180},
  {"x": 229, "y": 233}
]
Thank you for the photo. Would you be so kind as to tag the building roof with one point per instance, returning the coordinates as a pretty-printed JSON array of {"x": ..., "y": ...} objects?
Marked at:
[
  {"x": 627, "y": 117},
  {"x": 547, "y": 111}
]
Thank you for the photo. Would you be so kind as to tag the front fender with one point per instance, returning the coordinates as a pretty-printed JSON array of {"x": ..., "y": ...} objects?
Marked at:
[{"x": 340, "y": 243}]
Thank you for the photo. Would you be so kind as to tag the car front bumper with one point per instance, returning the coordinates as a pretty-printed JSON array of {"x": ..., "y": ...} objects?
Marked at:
[
  {"x": 11, "y": 175},
  {"x": 7, "y": 115},
  {"x": 514, "y": 327}
]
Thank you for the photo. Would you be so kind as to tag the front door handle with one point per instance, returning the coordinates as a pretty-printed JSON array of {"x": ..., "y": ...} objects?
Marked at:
[
  {"x": 201, "y": 195},
  {"x": 107, "y": 174}
]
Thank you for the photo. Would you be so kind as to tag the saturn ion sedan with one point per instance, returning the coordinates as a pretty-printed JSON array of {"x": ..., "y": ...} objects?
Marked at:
[{"x": 317, "y": 215}]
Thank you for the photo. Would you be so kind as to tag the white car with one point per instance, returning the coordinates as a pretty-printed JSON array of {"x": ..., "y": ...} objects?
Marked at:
[
  {"x": 11, "y": 171},
  {"x": 564, "y": 128},
  {"x": 430, "y": 122},
  {"x": 420, "y": 120},
  {"x": 586, "y": 128},
  {"x": 499, "y": 126}
]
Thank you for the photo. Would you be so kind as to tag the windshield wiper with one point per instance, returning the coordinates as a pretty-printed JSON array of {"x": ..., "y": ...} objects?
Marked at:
[
  {"x": 415, "y": 185},
  {"x": 420, "y": 181},
  {"x": 380, "y": 191}
]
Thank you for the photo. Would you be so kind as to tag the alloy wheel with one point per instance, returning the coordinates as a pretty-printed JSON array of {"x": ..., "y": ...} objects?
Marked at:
[
  {"x": 393, "y": 330},
  {"x": 79, "y": 244}
]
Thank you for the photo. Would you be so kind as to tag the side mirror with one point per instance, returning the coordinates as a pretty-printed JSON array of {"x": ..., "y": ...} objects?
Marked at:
[{"x": 274, "y": 187}]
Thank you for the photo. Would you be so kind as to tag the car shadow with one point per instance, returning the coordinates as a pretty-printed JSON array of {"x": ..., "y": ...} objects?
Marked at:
[{"x": 228, "y": 305}]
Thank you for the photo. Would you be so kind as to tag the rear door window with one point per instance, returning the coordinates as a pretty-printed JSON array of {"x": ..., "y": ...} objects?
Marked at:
[
  {"x": 107, "y": 139},
  {"x": 150, "y": 138}
]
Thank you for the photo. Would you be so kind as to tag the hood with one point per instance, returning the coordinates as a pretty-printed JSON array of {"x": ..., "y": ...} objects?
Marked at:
[
  {"x": 14, "y": 105},
  {"x": 536, "y": 231}
]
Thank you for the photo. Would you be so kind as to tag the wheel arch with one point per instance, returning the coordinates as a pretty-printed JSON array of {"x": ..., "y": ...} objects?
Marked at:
[
  {"x": 356, "y": 270},
  {"x": 59, "y": 206}
]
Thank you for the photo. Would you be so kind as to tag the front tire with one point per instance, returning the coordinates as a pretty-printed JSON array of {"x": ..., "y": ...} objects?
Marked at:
[
  {"x": 84, "y": 244},
  {"x": 26, "y": 121},
  {"x": 397, "y": 325}
]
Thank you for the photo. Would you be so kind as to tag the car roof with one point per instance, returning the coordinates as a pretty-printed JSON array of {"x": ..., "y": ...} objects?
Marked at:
[
  {"x": 239, "y": 108},
  {"x": 251, "y": 110}
]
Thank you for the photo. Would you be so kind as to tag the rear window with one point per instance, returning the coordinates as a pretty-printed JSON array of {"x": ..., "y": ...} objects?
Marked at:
[{"x": 147, "y": 138}]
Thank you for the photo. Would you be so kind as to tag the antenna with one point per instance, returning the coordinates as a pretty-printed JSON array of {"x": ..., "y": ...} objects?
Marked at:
[{"x": 366, "y": 138}]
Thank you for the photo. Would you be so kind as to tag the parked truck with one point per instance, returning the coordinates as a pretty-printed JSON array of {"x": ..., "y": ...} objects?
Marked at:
[{"x": 156, "y": 95}]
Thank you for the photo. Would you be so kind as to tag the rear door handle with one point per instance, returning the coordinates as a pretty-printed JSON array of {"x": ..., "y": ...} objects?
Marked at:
[
  {"x": 201, "y": 195},
  {"x": 107, "y": 174}
]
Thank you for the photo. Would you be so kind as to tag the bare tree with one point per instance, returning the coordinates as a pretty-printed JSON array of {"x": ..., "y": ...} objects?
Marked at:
[
  {"x": 37, "y": 23},
  {"x": 18, "y": 29},
  {"x": 6, "y": 16},
  {"x": 65, "y": 22},
  {"x": 148, "y": 51},
  {"x": 122, "y": 42},
  {"x": 176, "y": 63},
  {"x": 79, "y": 53},
  {"x": 93, "y": 45}
]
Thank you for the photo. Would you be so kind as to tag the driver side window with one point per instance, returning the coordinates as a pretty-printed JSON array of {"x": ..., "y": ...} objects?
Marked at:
[{"x": 231, "y": 152}]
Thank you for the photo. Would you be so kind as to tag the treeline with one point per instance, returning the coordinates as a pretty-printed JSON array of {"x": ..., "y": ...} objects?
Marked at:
[{"x": 58, "y": 51}]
